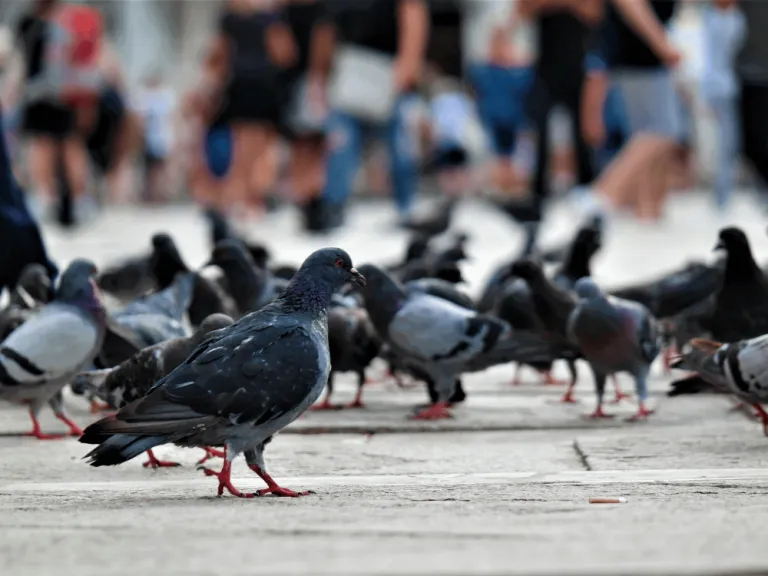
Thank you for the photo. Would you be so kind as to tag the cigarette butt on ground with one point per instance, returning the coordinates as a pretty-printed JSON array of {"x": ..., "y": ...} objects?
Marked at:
[{"x": 619, "y": 500}]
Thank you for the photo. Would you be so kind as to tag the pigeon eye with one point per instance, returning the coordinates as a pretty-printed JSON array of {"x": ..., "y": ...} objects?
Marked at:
[{"x": 339, "y": 263}]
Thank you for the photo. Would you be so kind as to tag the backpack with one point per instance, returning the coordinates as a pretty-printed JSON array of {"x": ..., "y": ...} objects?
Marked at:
[{"x": 73, "y": 52}]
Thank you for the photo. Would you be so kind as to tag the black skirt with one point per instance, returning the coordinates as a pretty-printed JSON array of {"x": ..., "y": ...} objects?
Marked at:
[
  {"x": 254, "y": 100},
  {"x": 49, "y": 119}
]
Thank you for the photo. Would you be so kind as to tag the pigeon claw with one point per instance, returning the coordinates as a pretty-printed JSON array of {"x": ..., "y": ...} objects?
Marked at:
[
  {"x": 641, "y": 414},
  {"x": 225, "y": 482},
  {"x": 436, "y": 411},
  {"x": 568, "y": 398},
  {"x": 39, "y": 435},
  {"x": 283, "y": 492},
  {"x": 154, "y": 463},
  {"x": 324, "y": 405},
  {"x": 355, "y": 404}
]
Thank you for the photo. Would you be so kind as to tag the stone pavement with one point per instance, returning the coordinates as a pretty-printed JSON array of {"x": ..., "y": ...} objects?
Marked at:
[{"x": 500, "y": 489}]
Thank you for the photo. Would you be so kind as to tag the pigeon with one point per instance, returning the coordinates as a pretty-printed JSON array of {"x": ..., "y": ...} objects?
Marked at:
[
  {"x": 133, "y": 378},
  {"x": 443, "y": 264},
  {"x": 159, "y": 316},
  {"x": 33, "y": 288},
  {"x": 207, "y": 298},
  {"x": 577, "y": 262},
  {"x": 418, "y": 247},
  {"x": 221, "y": 229},
  {"x": 441, "y": 289},
  {"x": 353, "y": 344},
  {"x": 738, "y": 310},
  {"x": 614, "y": 336},
  {"x": 41, "y": 356},
  {"x": 438, "y": 339},
  {"x": 128, "y": 279},
  {"x": 435, "y": 224},
  {"x": 560, "y": 253},
  {"x": 738, "y": 368},
  {"x": 246, "y": 283},
  {"x": 241, "y": 385}
]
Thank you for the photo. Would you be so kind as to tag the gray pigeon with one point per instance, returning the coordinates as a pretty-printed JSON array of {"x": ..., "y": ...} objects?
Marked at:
[
  {"x": 133, "y": 378},
  {"x": 241, "y": 385},
  {"x": 159, "y": 316},
  {"x": 245, "y": 282},
  {"x": 739, "y": 368},
  {"x": 40, "y": 357},
  {"x": 33, "y": 288},
  {"x": 440, "y": 340},
  {"x": 614, "y": 336}
]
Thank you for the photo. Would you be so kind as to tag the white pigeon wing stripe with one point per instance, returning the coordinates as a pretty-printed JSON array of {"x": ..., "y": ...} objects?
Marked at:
[
  {"x": 58, "y": 341},
  {"x": 428, "y": 326}
]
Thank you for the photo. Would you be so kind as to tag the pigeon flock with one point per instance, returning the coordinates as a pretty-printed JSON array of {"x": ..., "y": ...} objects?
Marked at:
[{"x": 223, "y": 362}]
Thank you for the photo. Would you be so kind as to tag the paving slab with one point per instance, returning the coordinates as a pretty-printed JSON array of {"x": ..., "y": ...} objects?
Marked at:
[{"x": 502, "y": 488}]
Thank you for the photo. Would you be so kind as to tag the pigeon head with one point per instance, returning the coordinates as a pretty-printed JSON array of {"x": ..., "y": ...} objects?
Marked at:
[
  {"x": 589, "y": 240},
  {"x": 76, "y": 282},
  {"x": 333, "y": 266},
  {"x": 166, "y": 261},
  {"x": 36, "y": 282},
  {"x": 259, "y": 254},
  {"x": 587, "y": 288},
  {"x": 227, "y": 252},
  {"x": 527, "y": 269},
  {"x": 212, "y": 323},
  {"x": 739, "y": 254},
  {"x": 417, "y": 248}
]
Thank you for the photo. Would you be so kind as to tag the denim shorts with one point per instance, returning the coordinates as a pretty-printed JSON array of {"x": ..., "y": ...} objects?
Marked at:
[{"x": 651, "y": 102}]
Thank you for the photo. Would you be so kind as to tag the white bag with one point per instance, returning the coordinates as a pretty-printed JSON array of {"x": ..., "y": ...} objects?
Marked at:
[
  {"x": 363, "y": 84},
  {"x": 302, "y": 118}
]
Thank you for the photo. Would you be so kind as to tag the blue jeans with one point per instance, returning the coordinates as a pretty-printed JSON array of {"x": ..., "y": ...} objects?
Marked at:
[
  {"x": 345, "y": 142},
  {"x": 729, "y": 136}
]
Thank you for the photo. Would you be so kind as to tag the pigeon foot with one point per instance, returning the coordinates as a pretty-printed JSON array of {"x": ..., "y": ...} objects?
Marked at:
[
  {"x": 273, "y": 488},
  {"x": 225, "y": 481},
  {"x": 99, "y": 407},
  {"x": 763, "y": 415},
  {"x": 599, "y": 414},
  {"x": 38, "y": 433},
  {"x": 641, "y": 414},
  {"x": 211, "y": 453},
  {"x": 355, "y": 404},
  {"x": 620, "y": 396},
  {"x": 154, "y": 463},
  {"x": 74, "y": 429},
  {"x": 437, "y": 411},
  {"x": 324, "y": 405},
  {"x": 568, "y": 398}
]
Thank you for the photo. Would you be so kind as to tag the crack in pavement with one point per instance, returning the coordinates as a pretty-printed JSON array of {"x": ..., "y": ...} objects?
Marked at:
[{"x": 582, "y": 456}]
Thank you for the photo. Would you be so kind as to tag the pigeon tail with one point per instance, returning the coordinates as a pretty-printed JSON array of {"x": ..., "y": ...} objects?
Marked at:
[{"x": 120, "y": 448}]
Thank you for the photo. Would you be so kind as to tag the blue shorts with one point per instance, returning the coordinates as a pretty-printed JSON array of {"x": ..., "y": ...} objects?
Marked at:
[
  {"x": 503, "y": 139},
  {"x": 651, "y": 102},
  {"x": 218, "y": 150}
]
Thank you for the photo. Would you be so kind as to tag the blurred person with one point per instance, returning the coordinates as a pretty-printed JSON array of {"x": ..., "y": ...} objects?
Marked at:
[
  {"x": 752, "y": 71},
  {"x": 49, "y": 121},
  {"x": 251, "y": 49},
  {"x": 396, "y": 32},
  {"x": 724, "y": 35},
  {"x": 451, "y": 110},
  {"x": 20, "y": 240},
  {"x": 640, "y": 56},
  {"x": 156, "y": 106},
  {"x": 564, "y": 29},
  {"x": 313, "y": 32},
  {"x": 501, "y": 87}
]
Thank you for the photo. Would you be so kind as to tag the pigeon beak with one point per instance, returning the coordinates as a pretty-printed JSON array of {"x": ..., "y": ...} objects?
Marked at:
[
  {"x": 719, "y": 246},
  {"x": 357, "y": 278}
]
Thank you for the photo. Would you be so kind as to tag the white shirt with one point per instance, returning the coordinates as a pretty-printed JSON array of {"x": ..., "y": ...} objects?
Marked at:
[{"x": 156, "y": 106}]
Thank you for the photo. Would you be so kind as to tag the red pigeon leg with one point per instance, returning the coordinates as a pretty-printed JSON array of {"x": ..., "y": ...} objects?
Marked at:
[
  {"x": 550, "y": 380},
  {"x": 273, "y": 488},
  {"x": 38, "y": 433},
  {"x": 619, "y": 394},
  {"x": 225, "y": 481},
  {"x": 74, "y": 429},
  {"x": 763, "y": 417},
  {"x": 358, "y": 401},
  {"x": 436, "y": 411},
  {"x": 154, "y": 463},
  {"x": 212, "y": 453},
  {"x": 599, "y": 414},
  {"x": 568, "y": 396},
  {"x": 641, "y": 414}
]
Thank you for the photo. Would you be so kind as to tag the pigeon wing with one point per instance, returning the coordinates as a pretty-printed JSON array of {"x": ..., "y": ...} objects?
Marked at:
[{"x": 53, "y": 344}]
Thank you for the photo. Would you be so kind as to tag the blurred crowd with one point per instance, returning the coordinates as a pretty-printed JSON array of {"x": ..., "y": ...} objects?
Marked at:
[{"x": 294, "y": 97}]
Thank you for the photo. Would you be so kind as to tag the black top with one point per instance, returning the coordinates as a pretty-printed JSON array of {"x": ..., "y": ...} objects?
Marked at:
[
  {"x": 562, "y": 45},
  {"x": 446, "y": 37},
  {"x": 302, "y": 17},
  {"x": 626, "y": 49},
  {"x": 32, "y": 32},
  {"x": 369, "y": 24},
  {"x": 247, "y": 34}
]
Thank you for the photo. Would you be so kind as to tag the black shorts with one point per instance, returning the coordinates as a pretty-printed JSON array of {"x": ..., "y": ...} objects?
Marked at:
[
  {"x": 49, "y": 119},
  {"x": 101, "y": 143},
  {"x": 257, "y": 100}
]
